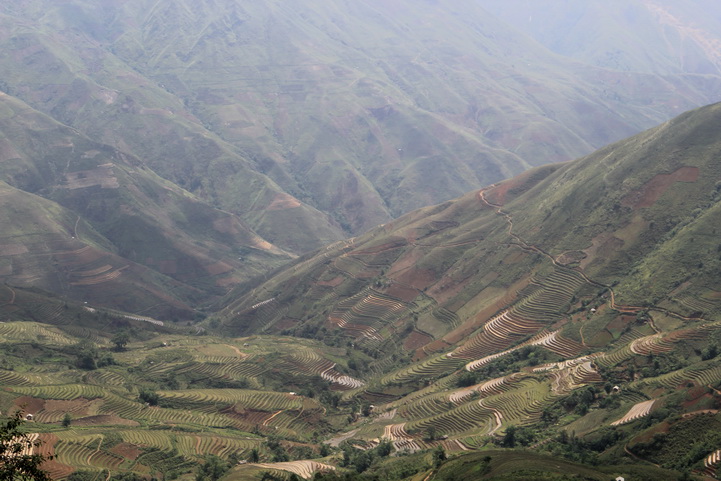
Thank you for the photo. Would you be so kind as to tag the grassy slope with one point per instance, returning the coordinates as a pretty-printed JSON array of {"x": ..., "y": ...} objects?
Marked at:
[
  {"x": 136, "y": 214},
  {"x": 235, "y": 96},
  {"x": 424, "y": 285}
]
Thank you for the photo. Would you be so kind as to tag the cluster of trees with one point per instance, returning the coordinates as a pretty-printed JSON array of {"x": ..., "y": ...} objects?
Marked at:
[{"x": 15, "y": 444}]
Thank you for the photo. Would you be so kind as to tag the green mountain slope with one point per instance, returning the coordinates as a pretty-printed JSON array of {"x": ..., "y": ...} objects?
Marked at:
[
  {"x": 116, "y": 215},
  {"x": 522, "y": 305},
  {"x": 349, "y": 113}
]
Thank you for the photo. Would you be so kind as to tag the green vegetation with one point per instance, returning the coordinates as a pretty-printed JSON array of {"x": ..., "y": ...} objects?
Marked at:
[{"x": 18, "y": 462}]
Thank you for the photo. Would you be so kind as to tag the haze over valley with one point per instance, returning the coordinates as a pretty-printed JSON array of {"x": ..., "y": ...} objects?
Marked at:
[{"x": 362, "y": 240}]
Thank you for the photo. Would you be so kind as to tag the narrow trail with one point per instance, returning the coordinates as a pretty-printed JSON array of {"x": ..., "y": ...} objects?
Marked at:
[
  {"x": 12, "y": 296},
  {"x": 617, "y": 307},
  {"x": 75, "y": 229},
  {"x": 267, "y": 421}
]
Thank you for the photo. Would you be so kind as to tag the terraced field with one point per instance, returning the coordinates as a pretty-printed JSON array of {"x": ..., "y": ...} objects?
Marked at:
[
  {"x": 542, "y": 303},
  {"x": 639, "y": 410}
]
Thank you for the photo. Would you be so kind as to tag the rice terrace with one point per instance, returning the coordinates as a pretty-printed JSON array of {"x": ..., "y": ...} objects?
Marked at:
[{"x": 360, "y": 241}]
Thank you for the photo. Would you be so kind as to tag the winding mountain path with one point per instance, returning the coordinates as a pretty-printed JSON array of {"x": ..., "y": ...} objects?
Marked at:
[{"x": 617, "y": 307}]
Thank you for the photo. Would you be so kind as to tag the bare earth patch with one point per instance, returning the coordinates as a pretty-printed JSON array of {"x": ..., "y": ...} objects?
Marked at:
[
  {"x": 416, "y": 340},
  {"x": 647, "y": 195},
  {"x": 283, "y": 201},
  {"x": 104, "y": 420},
  {"x": 102, "y": 176},
  {"x": 127, "y": 451}
]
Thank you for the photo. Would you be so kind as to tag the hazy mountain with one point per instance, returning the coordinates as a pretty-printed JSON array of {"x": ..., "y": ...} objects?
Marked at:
[
  {"x": 656, "y": 36},
  {"x": 116, "y": 217},
  {"x": 307, "y": 117}
]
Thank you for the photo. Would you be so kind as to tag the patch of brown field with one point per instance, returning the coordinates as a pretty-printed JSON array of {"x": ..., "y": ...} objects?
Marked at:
[
  {"x": 283, "y": 201},
  {"x": 47, "y": 446},
  {"x": 712, "y": 295},
  {"x": 416, "y": 278},
  {"x": 496, "y": 194},
  {"x": 57, "y": 470},
  {"x": 483, "y": 316},
  {"x": 335, "y": 282},
  {"x": 395, "y": 243},
  {"x": 226, "y": 225},
  {"x": 166, "y": 267},
  {"x": 12, "y": 249},
  {"x": 29, "y": 404},
  {"x": 649, "y": 193},
  {"x": 104, "y": 420},
  {"x": 603, "y": 245},
  {"x": 514, "y": 257},
  {"x": 102, "y": 176},
  {"x": 619, "y": 322},
  {"x": 447, "y": 288},
  {"x": 570, "y": 257},
  {"x": 80, "y": 406},
  {"x": 405, "y": 294},
  {"x": 127, "y": 451},
  {"x": 416, "y": 340},
  {"x": 217, "y": 268},
  {"x": 405, "y": 261}
]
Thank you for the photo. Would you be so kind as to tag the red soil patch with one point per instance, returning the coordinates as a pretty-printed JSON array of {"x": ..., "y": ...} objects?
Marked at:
[
  {"x": 217, "y": 268},
  {"x": 79, "y": 257},
  {"x": 619, "y": 322},
  {"x": 416, "y": 340},
  {"x": 447, "y": 288},
  {"x": 602, "y": 246},
  {"x": 104, "y": 420},
  {"x": 395, "y": 243},
  {"x": 405, "y": 294},
  {"x": 80, "y": 406},
  {"x": 647, "y": 195},
  {"x": 283, "y": 201},
  {"x": 29, "y": 405},
  {"x": 226, "y": 225},
  {"x": 58, "y": 470},
  {"x": 102, "y": 175},
  {"x": 127, "y": 451},
  {"x": 416, "y": 278},
  {"x": 405, "y": 261},
  {"x": 12, "y": 249}
]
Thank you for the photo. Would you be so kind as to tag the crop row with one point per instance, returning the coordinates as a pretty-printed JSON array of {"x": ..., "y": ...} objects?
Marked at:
[
  {"x": 63, "y": 391},
  {"x": 261, "y": 400},
  {"x": 428, "y": 368},
  {"x": 637, "y": 411},
  {"x": 201, "y": 444}
]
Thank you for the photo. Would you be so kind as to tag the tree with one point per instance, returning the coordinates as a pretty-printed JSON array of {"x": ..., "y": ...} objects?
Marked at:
[
  {"x": 121, "y": 339},
  {"x": 439, "y": 455},
  {"x": 213, "y": 469},
  {"x": 15, "y": 462},
  {"x": 67, "y": 420}
]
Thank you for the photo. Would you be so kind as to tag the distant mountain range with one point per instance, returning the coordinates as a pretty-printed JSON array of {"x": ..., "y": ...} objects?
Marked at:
[{"x": 310, "y": 122}]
